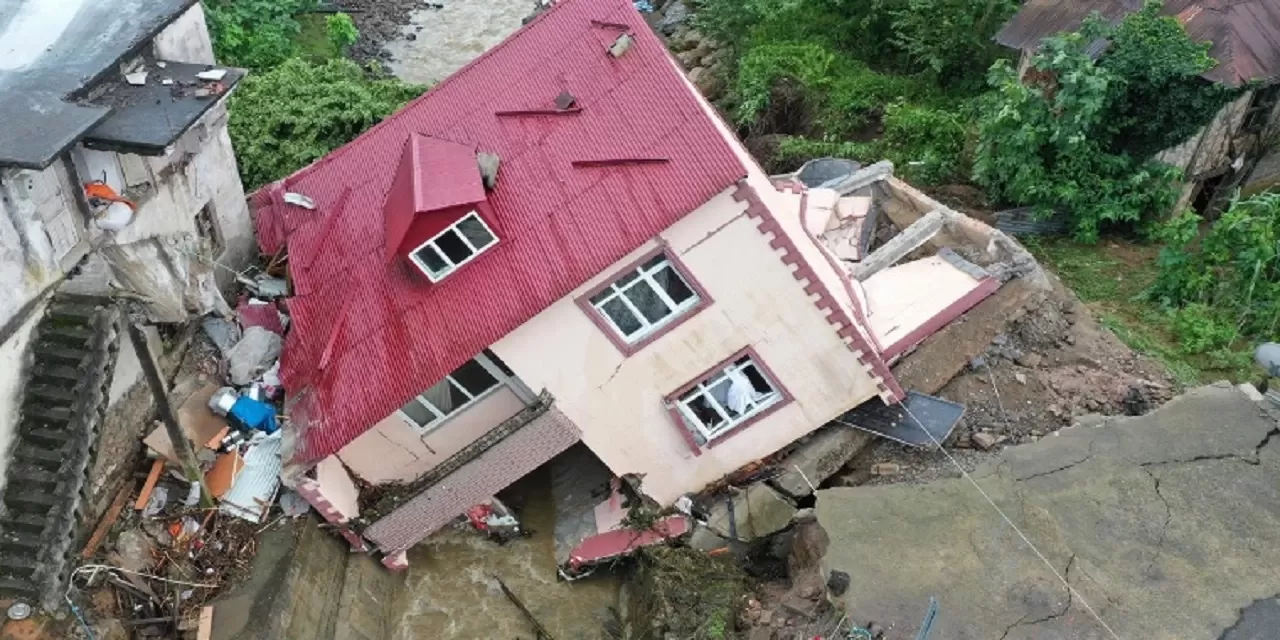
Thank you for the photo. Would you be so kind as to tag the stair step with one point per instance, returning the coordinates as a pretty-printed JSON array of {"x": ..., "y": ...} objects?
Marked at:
[
  {"x": 50, "y": 438},
  {"x": 18, "y": 565},
  {"x": 26, "y": 472},
  {"x": 45, "y": 414},
  {"x": 24, "y": 522},
  {"x": 31, "y": 501},
  {"x": 22, "y": 542},
  {"x": 56, "y": 374},
  {"x": 72, "y": 313},
  {"x": 73, "y": 336},
  {"x": 58, "y": 395},
  {"x": 53, "y": 353},
  {"x": 18, "y": 586},
  {"x": 39, "y": 456}
]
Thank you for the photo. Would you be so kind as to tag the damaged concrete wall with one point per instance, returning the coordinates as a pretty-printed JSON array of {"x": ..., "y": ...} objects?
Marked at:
[
  {"x": 1212, "y": 149},
  {"x": 186, "y": 39},
  {"x": 757, "y": 301}
]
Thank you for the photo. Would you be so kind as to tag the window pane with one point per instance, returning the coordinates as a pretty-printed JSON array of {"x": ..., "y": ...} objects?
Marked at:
[
  {"x": 673, "y": 284},
  {"x": 430, "y": 257},
  {"x": 758, "y": 381},
  {"x": 474, "y": 230},
  {"x": 630, "y": 276},
  {"x": 599, "y": 298},
  {"x": 453, "y": 246},
  {"x": 703, "y": 411},
  {"x": 647, "y": 301},
  {"x": 474, "y": 378},
  {"x": 445, "y": 397},
  {"x": 418, "y": 413},
  {"x": 653, "y": 262},
  {"x": 621, "y": 317},
  {"x": 720, "y": 392}
]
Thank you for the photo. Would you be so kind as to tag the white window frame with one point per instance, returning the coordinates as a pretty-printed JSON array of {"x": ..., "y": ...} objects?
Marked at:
[
  {"x": 453, "y": 266},
  {"x": 439, "y": 417},
  {"x": 702, "y": 388},
  {"x": 618, "y": 292}
]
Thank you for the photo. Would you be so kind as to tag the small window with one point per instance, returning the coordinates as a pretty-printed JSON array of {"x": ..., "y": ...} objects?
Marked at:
[
  {"x": 453, "y": 394},
  {"x": 453, "y": 247},
  {"x": 643, "y": 300},
  {"x": 727, "y": 398}
]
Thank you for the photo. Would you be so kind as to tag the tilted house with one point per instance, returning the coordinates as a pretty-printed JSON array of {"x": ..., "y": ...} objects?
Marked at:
[{"x": 630, "y": 280}]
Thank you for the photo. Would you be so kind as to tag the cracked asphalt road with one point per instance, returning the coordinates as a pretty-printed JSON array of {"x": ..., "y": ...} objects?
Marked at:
[{"x": 1167, "y": 524}]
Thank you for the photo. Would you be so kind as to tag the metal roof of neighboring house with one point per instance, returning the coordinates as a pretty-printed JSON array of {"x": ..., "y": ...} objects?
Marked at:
[
  {"x": 50, "y": 50},
  {"x": 1245, "y": 33},
  {"x": 571, "y": 199}
]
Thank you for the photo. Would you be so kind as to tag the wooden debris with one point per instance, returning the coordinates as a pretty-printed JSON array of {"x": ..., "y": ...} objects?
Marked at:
[
  {"x": 157, "y": 468},
  {"x": 540, "y": 631},
  {"x": 108, "y": 519},
  {"x": 205, "y": 630}
]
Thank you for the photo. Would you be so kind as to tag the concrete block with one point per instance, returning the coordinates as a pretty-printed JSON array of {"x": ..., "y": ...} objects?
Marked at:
[
  {"x": 758, "y": 511},
  {"x": 818, "y": 459}
]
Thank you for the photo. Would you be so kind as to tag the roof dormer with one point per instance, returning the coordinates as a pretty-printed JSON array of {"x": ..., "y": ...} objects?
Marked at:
[{"x": 435, "y": 210}]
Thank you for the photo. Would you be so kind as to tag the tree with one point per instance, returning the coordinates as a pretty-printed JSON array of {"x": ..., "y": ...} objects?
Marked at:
[
  {"x": 258, "y": 34},
  {"x": 1077, "y": 134},
  {"x": 285, "y": 118}
]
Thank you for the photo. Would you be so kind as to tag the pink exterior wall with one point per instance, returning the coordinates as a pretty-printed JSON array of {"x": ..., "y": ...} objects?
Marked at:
[
  {"x": 395, "y": 451},
  {"x": 617, "y": 400}
]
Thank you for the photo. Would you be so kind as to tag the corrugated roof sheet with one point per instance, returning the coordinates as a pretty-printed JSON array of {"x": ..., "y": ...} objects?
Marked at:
[
  {"x": 254, "y": 488},
  {"x": 1245, "y": 33},
  {"x": 381, "y": 331},
  {"x": 533, "y": 445}
]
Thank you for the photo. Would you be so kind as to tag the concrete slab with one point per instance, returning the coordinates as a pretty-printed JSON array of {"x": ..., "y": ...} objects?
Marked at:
[
  {"x": 757, "y": 512},
  {"x": 817, "y": 459},
  {"x": 1167, "y": 524}
]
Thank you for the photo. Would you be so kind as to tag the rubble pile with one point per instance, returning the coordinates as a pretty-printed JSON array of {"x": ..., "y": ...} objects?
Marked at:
[{"x": 169, "y": 545}]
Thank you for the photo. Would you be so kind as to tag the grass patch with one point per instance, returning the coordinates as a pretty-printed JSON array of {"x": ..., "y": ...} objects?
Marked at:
[{"x": 1110, "y": 277}]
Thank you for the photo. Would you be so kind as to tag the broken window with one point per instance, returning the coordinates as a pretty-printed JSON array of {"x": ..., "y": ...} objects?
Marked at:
[
  {"x": 467, "y": 384},
  {"x": 644, "y": 300},
  {"x": 727, "y": 398},
  {"x": 458, "y": 244}
]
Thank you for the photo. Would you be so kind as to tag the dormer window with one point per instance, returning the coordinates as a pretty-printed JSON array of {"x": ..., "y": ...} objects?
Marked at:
[{"x": 457, "y": 245}]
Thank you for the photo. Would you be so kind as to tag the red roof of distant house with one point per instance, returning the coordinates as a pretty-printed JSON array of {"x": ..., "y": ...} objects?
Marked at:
[{"x": 578, "y": 189}]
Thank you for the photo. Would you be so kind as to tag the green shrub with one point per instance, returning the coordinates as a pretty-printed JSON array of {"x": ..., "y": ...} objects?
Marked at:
[
  {"x": 342, "y": 31},
  {"x": 1230, "y": 274},
  {"x": 258, "y": 34},
  {"x": 285, "y": 118},
  {"x": 1054, "y": 140},
  {"x": 952, "y": 38}
]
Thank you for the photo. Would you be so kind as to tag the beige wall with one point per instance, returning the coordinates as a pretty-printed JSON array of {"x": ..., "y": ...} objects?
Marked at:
[
  {"x": 396, "y": 451},
  {"x": 618, "y": 402}
]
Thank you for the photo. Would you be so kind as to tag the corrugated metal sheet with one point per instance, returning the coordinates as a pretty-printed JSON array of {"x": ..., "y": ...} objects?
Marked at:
[
  {"x": 381, "y": 330},
  {"x": 1245, "y": 33},
  {"x": 255, "y": 488},
  {"x": 898, "y": 421},
  {"x": 515, "y": 456}
]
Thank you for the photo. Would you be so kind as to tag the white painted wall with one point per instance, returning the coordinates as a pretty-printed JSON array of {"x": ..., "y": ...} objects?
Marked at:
[
  {"x": 617, "y": 401},
  {"x": 186, "y": 39}
]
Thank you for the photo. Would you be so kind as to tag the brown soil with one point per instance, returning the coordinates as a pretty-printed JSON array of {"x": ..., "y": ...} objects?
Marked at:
[{"x": 1049, "y": 367}]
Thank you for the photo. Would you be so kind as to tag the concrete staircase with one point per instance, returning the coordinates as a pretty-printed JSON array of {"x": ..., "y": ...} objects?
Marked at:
[{"x": 64, "y": 401}]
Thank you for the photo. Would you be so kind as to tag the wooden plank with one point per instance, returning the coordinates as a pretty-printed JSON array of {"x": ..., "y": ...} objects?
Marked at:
[
  {"x": 108, "y": 519},
  {"x": 157, "y": 468},
  {"x": 205, "y": 630}
]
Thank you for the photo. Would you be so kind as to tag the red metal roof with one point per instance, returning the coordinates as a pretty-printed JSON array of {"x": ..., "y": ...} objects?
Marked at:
[{"x": 366, "y": 334}]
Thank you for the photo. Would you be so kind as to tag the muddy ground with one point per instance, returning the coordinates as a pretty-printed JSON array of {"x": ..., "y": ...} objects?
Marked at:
[{"x": 1047, "y": 368}]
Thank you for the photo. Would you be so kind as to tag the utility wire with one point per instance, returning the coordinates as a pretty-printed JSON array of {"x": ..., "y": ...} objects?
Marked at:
[{"x": 1008, "y": 521}]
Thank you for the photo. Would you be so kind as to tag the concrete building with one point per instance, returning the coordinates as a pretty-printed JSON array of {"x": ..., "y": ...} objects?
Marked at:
[
  {"x": 116, "y": 177},
  {"x": 1238, "y": 148},
  {"x": 563, "y": 244}
]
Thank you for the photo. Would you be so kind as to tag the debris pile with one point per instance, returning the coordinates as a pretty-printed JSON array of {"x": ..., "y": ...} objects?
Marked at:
[{"x": 169, "y": 545}]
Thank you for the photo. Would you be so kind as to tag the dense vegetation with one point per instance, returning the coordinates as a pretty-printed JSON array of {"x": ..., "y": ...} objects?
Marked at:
[
  {"x": 1077, "y": 135},
  {"x": 302, "y": 98},
  {"x": 284, "y": 118}
]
